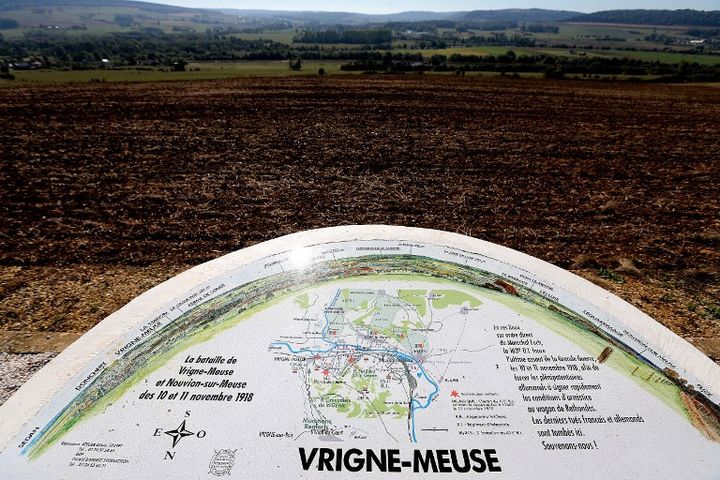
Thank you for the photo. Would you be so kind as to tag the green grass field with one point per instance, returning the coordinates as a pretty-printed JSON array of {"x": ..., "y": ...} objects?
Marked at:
[
  {"x": 480, "y": 51},
  {"x": 195, "y": 71},
  {"x": 19, "y": 33},
  {"x": 280, "y": 36},
  {"x": 663, "y": 57},
  {"x": 271, "y": 68},
  {"x": 215, "y": 71}
]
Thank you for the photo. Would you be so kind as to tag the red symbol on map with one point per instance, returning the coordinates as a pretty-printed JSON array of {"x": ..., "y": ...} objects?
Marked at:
[
  {"x": 326, "y": 372},
  {"x": 454, "y": 393}
]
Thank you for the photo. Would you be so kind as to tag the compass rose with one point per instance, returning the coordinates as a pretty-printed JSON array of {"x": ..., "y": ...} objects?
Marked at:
[{"x": 179, "y": 433}]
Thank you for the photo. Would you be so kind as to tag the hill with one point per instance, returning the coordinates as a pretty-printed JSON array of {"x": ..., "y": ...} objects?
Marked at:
[
  {"x": 517, "y": 15},
  {"x": 347, "y": 18},
  {"x": 144, "y": 6},
  {"x": 106, "y": 16},
  {"x": 101, "y": 13},
  {"x": 652, "y": 17},
  {"x": 89, "y": 13},
  {"x": 337, "y": 18}
]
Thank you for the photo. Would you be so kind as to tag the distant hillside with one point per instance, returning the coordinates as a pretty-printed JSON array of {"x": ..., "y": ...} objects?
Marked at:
[
  {"x": 31, "y": 13},
  {"x": 414, "y": 16},
  {"x": 337, "y": 18},
  {"x": 517, "y": 15},
  {"x": 350, "y": 18},
  {"x": 145, "y": 6},
  {"x": 652, "y": 17},
  {"x": 106, "y": 16}
]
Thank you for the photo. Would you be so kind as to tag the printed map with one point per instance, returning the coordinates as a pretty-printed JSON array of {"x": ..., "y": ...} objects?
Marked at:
[{"x": 375, "y": 356}]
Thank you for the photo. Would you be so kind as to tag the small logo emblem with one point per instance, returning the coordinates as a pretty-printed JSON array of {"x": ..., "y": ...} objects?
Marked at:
[{"x": 222, "y": 462}]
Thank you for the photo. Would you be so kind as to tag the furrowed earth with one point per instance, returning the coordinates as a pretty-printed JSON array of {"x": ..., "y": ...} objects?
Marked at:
[{"x": 109, "y": 189}]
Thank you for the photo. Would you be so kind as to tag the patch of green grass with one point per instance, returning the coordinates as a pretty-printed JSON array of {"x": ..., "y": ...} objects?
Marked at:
[
  {"x": 611, "y": 275},
  {"x": 280, "y": 36},
  {"x": 195, "y": 71},
  {"x": 415, "y": 298},
  {"x": 303, "y": 301},
  {"x": 266, "y": 67},
  {"x": 445, "y": 298},
  {"x": 662, "y": 57},
  {"x": 589, "y": 31},
  {"x": 480, "y": 51},
  {"x": 650, "y": 56}
]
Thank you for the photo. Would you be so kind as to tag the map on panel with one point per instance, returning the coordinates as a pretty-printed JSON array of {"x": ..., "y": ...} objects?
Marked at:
[{"x": 376, "y": 358}]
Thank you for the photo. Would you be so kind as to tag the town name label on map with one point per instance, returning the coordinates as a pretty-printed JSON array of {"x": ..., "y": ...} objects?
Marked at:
[{"x": 391, "y": 461}]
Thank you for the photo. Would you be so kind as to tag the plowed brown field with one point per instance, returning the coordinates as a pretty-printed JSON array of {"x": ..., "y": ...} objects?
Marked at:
[{"x": 109, "y": 189}]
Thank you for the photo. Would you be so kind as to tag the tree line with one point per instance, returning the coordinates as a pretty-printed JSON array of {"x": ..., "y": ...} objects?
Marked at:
[
  {"x": 550, "y": 65},
  {"x": 365, "y": 37},
  {"x": 8, "y": 23},
  {"x": 132, "y": 47}
]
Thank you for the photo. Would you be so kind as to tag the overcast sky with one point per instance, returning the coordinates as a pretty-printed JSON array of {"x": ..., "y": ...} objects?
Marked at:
[{"x": 385, "y": 6}]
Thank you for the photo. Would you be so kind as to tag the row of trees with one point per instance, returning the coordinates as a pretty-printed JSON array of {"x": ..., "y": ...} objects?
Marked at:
[
  {"x": 539, "y": 28},
  {"x": 132, "y": 47},
  {"x": 8, "y": 23},
  {"x": 551, "y": 66},
  {"x": 157, "y": 48},
  {"x": 365, "y": 37}
]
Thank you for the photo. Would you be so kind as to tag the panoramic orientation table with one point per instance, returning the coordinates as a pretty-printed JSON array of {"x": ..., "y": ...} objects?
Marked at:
[{"x": 376, "y": 351}]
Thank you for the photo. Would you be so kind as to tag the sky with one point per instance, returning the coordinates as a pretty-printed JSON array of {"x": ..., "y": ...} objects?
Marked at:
[{"x": 385, "y": 6}]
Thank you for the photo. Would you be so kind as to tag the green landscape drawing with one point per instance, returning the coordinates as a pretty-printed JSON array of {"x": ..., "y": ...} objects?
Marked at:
[{"x": 225, "y": 311}]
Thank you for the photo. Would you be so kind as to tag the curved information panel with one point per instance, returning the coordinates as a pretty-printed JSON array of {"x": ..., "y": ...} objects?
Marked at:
[{"x": 386, "y": 352}]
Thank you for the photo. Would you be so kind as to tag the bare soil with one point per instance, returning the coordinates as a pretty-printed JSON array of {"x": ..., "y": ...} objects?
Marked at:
[{"x": 109, "y": 189}]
